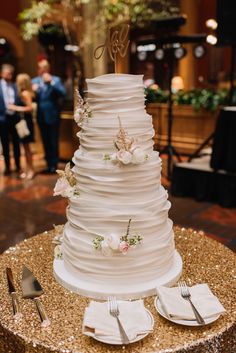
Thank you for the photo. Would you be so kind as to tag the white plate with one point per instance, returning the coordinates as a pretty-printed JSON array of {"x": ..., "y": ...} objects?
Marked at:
[
  {"x": 160, "y": 310},
  {"x": 109, "y": 340}
]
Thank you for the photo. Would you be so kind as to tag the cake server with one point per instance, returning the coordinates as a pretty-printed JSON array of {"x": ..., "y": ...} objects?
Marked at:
[
  {"x": 12, "y": 291},
  {"x": 31, "y": 289}
]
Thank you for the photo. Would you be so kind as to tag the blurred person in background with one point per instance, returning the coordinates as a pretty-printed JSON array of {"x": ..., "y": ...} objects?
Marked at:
[
  {"x": 8, "y": 118},
  {"x": 48, "y": 89},
  {"x": 25, "y": 107}
]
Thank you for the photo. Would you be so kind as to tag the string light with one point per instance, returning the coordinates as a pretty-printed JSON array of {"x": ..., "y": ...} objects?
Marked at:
[
  {"x": 211, "y": 39},
  {"x": 211, "y": 23}
]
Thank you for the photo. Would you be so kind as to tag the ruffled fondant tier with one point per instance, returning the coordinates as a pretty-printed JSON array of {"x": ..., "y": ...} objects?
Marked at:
[
  {"x": 147, "y": 261},
  {"x": 99, "y": 132}
]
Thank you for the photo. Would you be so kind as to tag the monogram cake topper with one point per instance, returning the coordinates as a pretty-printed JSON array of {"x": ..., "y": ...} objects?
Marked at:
[{"x": 116, "y": 44}]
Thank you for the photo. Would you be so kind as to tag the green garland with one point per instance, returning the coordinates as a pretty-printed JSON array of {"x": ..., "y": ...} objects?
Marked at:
[{"x": 209, "y": 99}]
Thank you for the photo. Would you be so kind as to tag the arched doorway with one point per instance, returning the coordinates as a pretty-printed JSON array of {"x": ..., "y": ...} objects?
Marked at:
[{"x": 11, "y": 45}]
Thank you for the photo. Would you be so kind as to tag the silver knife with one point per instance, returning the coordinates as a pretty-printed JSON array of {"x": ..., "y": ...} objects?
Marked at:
[
  {"x": 32, "y": 289},
  {"x": 12, "y": 291}
]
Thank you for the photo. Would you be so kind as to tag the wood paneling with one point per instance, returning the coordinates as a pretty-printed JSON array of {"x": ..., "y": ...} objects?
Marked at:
[{"x": 190, "y": 128}]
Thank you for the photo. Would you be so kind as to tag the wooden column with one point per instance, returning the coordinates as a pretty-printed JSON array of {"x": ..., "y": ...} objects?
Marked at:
[
  {"x": 93, "y": 36},
  {"x": 187, "y": 65}
]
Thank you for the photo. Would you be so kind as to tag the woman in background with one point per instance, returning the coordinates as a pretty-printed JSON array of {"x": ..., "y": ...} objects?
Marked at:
[{"x": 25, "y": 107}]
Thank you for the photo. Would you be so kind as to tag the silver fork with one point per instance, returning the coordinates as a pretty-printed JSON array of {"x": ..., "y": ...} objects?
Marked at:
[
  {"x": 187, "y": 296},
  {"x": 114, "y": 311}
]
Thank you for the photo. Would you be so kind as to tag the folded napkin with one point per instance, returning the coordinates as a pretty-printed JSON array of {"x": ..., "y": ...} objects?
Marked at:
[
  {"x": 178, "y": 308},
  {"x": 98, "y": 322}
]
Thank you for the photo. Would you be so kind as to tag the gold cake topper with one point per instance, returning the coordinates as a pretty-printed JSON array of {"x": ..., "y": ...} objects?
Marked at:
[{"x": 116, "y": 43}]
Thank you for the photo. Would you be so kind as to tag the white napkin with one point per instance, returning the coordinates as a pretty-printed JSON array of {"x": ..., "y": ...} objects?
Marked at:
[
  {"x": 178, "y": 308},
  {"x": 98, "y": 322}
]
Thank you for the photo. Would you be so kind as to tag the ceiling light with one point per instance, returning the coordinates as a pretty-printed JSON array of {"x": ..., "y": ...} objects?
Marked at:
[
  {"x": 159, "y": 54},
  {"x": 147, "y": 47},
  {"x": 199, "y": 51},
  {"x": 180, "y": 52},
  {"x": 211, "y": 23},
  {"x": 70, "y": 47},
  {"x": 142, "y": 55},
  {"x": 211, "y": 39}
]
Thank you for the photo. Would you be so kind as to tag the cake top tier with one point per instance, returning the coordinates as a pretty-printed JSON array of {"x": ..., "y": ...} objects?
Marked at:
[
  {"x": 116, "y": 79},
  {"x": 112, "y": 83}
]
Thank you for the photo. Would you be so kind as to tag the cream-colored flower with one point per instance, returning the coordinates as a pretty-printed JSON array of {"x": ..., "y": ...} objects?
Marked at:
[
  {"x": 124, "y": 156},
  {"x": 113, "y": 241},
  {"x": 106, "y": 250},
  {"x": 58, "y": 252},
  {"x": 63, "y": 188},
  {"x": 78, "y": 115},
  {"x": 113, "y": 157},
  {"x": 138, "y": 156}
]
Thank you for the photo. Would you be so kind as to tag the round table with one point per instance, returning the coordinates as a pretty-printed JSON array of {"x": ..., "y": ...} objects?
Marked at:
[{"x": 205, "y": 260}]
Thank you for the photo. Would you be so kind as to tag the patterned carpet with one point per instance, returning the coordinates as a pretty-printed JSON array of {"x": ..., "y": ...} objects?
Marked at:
[{"x": 28, "y": 208}]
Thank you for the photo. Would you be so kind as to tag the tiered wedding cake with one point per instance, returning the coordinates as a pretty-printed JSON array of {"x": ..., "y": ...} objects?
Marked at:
[{"x": 118, "y": 238}]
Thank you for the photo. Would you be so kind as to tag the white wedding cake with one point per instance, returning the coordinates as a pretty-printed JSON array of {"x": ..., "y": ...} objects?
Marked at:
[{"x": 118, "y": 239}]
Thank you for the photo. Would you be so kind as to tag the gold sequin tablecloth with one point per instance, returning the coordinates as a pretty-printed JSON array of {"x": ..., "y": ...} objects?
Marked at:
[{"x": 204, "y": 260}]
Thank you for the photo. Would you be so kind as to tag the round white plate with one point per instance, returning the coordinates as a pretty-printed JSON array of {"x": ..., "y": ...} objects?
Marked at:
[
  {"x": 160, "y": 310},
  {"x": 109, "y": 340}
]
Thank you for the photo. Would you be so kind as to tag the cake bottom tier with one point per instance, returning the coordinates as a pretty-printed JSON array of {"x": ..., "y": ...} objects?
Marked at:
[{"x": 121, "y": 291}]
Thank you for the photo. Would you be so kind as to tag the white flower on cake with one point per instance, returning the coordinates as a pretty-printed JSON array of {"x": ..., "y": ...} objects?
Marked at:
[
  {"x": 112, "y": 244},
  {"x": 58, "y": 239},
  {"x": 138, "y": 156},
  {"x": 105, "y": 247},
  {"x": 124, "y": 156},
  {"x": 58, "y": 252},
  {"x": 82, "y": 110},
  {"x": 113, "y": 241},
  {"x": 128, "y": 152},
  {"x": 63, "y": 188},
  {"x": 66, "y": 185}
]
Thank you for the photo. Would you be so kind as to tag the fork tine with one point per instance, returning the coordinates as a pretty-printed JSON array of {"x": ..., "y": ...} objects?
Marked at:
[
  {"x": 180, "y": 286},
  {"x": 109, "y": 304},
  {"x": 186, "y": 291},
  {"x": 115, "y": 305},
  {"x": 112, "y": 304},
  {"x": 185, "y": 285}
]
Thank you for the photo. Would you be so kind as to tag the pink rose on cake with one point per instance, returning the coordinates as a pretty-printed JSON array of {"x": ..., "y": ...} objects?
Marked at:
[
  {"x": 124, "y": 247},
  {"x": 124, "y": 156},
  {"x": 63, "y": 188}
]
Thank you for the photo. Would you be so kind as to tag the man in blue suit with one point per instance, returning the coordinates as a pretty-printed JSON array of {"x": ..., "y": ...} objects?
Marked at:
[
  {"x": 8, "y": 118},
  {"x": 48, "y": 89}
]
